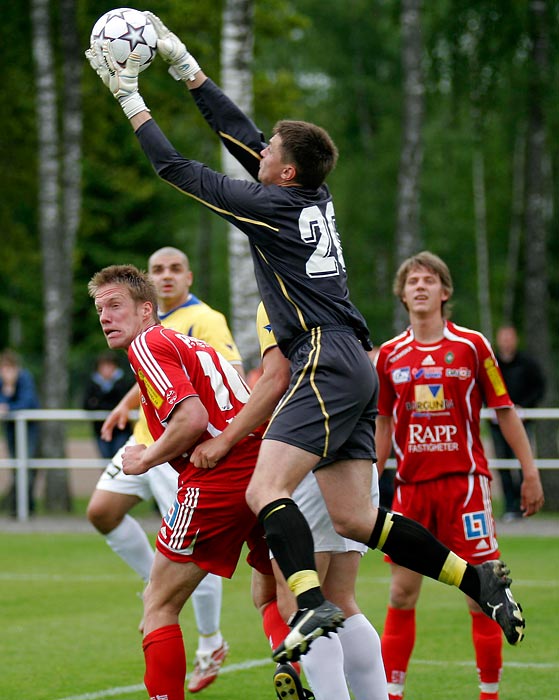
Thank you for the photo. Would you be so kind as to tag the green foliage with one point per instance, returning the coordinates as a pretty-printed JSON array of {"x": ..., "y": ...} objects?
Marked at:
[
  {"x": 334, "y": 63},
  {"x": 71, "y": 609}
]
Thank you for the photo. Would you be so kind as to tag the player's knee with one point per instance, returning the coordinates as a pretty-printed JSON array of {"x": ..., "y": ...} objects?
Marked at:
[{"x": 101, "y": 517}]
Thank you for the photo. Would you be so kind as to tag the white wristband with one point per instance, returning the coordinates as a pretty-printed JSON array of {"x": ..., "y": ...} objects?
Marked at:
[
  {"x": 132, "y": 104},
  {"x": 186, "y": 70}
]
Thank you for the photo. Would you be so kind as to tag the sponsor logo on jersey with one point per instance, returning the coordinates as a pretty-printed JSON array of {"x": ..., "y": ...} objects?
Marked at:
[
  {"x": 494, "y": 376},
  {"x": 171, "y": 396},
  {"x": 458, "y": 372},
  {"x": 432, "y": 438},
  {"x": 428, "y": 361},
  {"x": 427, "y": 372},
  {"x": 154, "y": 396},
  {"x": 401, "y": 375},
  {"x": 400, "y": 354},
  {"x": 429, "y": 398},
  {"x": 475, "y": 525}
]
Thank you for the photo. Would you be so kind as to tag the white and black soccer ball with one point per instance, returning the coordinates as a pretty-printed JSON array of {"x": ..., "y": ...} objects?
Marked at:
[{"x": 128, "y": 31}]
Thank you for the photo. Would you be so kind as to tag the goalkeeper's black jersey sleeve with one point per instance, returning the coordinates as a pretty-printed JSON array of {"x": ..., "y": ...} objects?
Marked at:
[{"x": 295, "y": 246}]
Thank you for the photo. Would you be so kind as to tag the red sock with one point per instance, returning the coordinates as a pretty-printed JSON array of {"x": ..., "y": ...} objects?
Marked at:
[
  {"x": 398, "y": 639},
  {"x": 275, "y": 628},
  {"x": 165, "y": 663},
  {"x": 488, "y": 646}
]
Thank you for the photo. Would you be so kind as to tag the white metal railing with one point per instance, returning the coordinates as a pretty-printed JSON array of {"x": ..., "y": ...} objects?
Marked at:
[{"x": 22, "y": 462}]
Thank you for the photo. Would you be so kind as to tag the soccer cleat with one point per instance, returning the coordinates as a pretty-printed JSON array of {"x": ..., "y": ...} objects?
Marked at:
[
  {"x": 287, "y": 684},
  {"x": 308, "y": 624},
  {"x": 496, "y": 599},
  {"x": 206, "y": 668}
]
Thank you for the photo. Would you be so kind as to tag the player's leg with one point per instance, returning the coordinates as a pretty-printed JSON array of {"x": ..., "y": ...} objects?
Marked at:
[
  {"x": 206, "y": 599},
  {"x": 398, "y": 637},
  {"x": 289, "y": 537},
  {"x": 487, "y": 638},
  {"x": 170, "y": 586},
  {"x": 114, "y": 496},
  {"x": 362, "y": 659},
  {"x": 411, "y": 545}
]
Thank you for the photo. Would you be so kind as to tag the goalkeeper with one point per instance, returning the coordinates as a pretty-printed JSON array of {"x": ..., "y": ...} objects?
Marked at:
[{"x": 325, "y": 423}]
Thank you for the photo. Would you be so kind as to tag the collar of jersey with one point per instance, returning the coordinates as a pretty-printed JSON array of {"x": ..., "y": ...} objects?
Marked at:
[{"x": 191, "y": 301}]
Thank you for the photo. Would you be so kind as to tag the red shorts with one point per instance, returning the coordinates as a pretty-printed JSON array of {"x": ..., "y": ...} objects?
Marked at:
[
  {"x": 210, "y": 521},
  {"x": 456, "y": 510}
]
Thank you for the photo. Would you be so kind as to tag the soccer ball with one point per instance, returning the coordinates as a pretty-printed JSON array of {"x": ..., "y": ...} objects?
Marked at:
[{"x": 128, "y": 31}]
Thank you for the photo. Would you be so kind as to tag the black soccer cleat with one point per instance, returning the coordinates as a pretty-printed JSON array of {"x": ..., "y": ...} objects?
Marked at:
[
  {"x": 497, "y": 602},
  {"x": 288, "y": 685},
  {"x": 308, "y": 624}
]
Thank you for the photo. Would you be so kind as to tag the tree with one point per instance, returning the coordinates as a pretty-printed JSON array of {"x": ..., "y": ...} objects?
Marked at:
[
  {"x": 408, "y": 239},
  {"x": 236, "y": 77},
  {"x": 58, "y": 225}
]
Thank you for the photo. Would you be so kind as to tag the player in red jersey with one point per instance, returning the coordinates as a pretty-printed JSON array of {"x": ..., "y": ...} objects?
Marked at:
[
  {"x": 189, "y": 394},
  {"x": 434, "y": 378}
]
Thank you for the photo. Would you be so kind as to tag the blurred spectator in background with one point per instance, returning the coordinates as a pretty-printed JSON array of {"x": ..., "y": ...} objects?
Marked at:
[
  {"x": 17, "y": 392},
  {"x": 106, "y": 387},
  {"x": 525, "y": 383}
]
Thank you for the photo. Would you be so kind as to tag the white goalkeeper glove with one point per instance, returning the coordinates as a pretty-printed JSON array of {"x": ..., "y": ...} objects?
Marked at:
[
  {"x": 183, "y": 65},
  {"x": 122, "y": 82}
]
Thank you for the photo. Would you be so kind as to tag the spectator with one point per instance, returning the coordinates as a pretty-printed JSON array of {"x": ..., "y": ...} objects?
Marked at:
[
  {"x": 525, "y": 383},
  {"x": 17, "y": 391},
  {"x": 106, "y": 387}
]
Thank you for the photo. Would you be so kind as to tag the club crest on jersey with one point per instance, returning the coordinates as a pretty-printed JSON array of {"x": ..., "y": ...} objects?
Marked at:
[
  {"x": 475, "y": 525},
  {"x": 154, "y": 396},
  {"x": 171, "y": 396},
  {"x": 401, "y": 375}
]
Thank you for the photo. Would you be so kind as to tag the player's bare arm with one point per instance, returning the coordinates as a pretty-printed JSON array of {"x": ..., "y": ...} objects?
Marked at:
[
  {"x": 263, "y": 399},
  {"x": 188, "y": 421},
  {"x": 531, "y": 494},
  {"x": 383, "y": 441}
]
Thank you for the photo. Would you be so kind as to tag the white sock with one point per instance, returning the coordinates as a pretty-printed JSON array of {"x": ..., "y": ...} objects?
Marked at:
[
  {"x": 206, "y": 601},
  {"x": 363, "y": 663},
  {"x": 323, "y": 665},
  {"x": 131, "y": 543}
]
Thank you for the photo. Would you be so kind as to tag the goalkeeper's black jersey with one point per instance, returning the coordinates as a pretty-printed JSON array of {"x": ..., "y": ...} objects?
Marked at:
[{"x": 296, "y": 250}]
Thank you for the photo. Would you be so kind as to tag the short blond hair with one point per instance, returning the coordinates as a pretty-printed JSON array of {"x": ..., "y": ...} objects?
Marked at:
[{"x": 137, "y": 282}]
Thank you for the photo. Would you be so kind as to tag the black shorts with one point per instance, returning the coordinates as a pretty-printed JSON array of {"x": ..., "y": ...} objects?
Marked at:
[{"x": 330, "y": 406}]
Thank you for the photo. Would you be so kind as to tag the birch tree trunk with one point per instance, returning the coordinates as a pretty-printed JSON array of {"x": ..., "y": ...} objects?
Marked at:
[
  {"x": 236, "y": 77},
  {"x": 408, "y": 237},
  {"x": 482, "y": 251},
  {"x": 56, "y": 260},
  {"x": 515, "y": 232}
]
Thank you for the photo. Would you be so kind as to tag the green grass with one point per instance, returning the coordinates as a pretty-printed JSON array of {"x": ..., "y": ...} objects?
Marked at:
[{"x": 70, "y": 611}]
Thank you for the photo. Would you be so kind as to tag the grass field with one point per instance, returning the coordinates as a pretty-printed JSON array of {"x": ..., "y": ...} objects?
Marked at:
[{"x": 69, "y": 611}]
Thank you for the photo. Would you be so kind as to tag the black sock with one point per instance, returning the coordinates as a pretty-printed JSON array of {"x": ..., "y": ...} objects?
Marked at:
[
  {"x": 411, "y": 545},
  {"x": 290, "y": 539},
  {"x": 470, "y": 583}
]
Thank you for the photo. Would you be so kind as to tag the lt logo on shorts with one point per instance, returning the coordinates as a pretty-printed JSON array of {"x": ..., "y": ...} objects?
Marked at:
[{"x": 475, "y": 525}]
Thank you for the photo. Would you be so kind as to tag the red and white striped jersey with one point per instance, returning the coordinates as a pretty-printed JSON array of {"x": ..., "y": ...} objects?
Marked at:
[
  {"x": 434, "y": 394},
  {"x": 170, "y": 367}
]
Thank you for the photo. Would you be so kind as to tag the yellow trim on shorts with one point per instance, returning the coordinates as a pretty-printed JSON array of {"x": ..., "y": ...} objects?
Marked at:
[
  {"x": 453, "y": 570},
  {"x": 302, "y": 581},
  {"x": 316, "y": 334}
]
